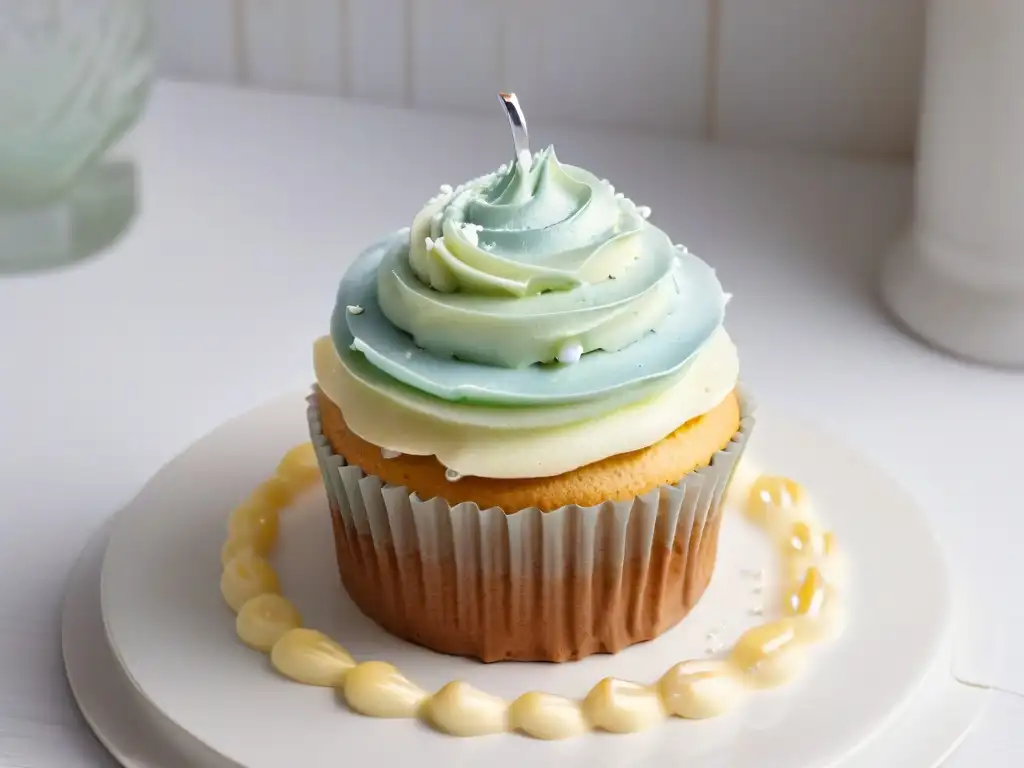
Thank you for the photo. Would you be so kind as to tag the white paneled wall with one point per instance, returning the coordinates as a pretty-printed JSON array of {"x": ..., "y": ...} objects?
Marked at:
[{"x": 839, "y": 75}]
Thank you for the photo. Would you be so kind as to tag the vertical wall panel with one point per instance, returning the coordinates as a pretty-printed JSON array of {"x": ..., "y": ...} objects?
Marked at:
[
  {"x": 269, "y": 44},
  {"x": 294, "y": 44},
  {"x": 821, "y": 74},
  {"x": 378, "y": 40},
  {"x": 640, "y": 64},
  {"x": 196, "y": 39},
  {"x": 458, "y": 52},
  {"x": 323, "y": 61}
]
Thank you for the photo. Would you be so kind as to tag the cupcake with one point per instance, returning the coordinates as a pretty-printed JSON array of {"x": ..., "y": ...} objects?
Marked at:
[{"x": 526, "y": 414}]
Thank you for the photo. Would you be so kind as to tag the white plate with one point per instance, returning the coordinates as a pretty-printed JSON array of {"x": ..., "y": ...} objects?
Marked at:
[
  {"x": 931, "y": 727},
  {"x": 168, "y": 627}
]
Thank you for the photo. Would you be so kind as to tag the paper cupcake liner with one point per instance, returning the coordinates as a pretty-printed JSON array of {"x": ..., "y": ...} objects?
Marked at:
[{"x": 529, "y": 585}]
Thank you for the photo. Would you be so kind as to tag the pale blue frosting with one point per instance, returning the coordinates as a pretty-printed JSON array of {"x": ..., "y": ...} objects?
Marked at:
[{"x": 495, "y": 278}]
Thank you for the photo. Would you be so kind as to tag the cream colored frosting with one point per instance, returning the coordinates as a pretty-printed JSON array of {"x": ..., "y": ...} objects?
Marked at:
[
  {"x": 770, "y": 655},
  {"x": 265, "y": 619},
  {"x": 246, "y": 576},
  {"x": 700, "y": 689},
  {"x": 507, "y": 443},
  {"x": 377, "y": 689},
  {"x": 462, "y": 710},
  {"x": 311, "y": 657},
  {"x": 549, "y": 717},
  {"x": 765, "y": 656},
  {"x": 621, "y": 706}
]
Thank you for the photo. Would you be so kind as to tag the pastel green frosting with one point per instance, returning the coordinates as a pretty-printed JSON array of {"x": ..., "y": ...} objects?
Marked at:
[
  {"x": 494, "y": 278},
  {"x": 523, "y": 263}
]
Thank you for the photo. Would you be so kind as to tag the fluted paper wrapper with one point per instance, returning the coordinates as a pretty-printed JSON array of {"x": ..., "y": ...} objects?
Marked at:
[{"x": 529, "y": 585}]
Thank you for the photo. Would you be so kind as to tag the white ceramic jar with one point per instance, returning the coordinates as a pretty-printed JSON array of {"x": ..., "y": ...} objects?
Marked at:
[
  {"x": 957, "y": 278},
  {"x": 74, "y": 75}
]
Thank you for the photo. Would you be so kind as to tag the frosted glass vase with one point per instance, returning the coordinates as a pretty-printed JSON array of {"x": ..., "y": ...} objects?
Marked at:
[{"x": 74, "y": 77}]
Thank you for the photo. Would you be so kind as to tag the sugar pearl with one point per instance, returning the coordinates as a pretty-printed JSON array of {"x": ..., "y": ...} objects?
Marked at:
[{"x": 570, "y": 353}]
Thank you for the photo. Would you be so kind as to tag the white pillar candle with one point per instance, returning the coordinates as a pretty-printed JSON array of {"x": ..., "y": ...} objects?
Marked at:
[{"x": 957, "y": 278}]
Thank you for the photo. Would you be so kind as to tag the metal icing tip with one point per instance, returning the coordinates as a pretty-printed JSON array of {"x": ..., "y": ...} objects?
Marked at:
[{"x": 516, "y": 122}]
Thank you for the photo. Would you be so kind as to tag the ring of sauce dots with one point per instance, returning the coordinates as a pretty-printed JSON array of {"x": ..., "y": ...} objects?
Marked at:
[{"x": 765, "y": 656}]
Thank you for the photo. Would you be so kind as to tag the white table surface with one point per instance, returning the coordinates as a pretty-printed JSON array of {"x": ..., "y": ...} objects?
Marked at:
[{"x": 253, "y": 204}]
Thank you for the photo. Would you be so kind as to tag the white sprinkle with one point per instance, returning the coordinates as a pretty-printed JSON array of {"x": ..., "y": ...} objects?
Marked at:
[
  {"x": 728, "y": 298},
  {"x": 525, "y": 160},
  {"x": 446, "y": 189},
  {"x": 408, "y": 355},
  {"x": 387, "y": 453},
  {"x": 714, "y": 647},
  {"x": 429, "y": 241},
  {"x": 502, "y": 168},
  {"x": 404, "y": 230},
  {"x": 605, "y": 181},
  {"x": 354, "y": 309},
  {"x": 644, "y": 211},
  {"x": 469, "y": 232},
  {"x": 570, "y": 353},
  {"x": 452, "y": 476},
  {"x": 681, "y": 247},
  {"x": 353, "y": 347},
  {"x": 619, "y": 196},
  {"x": 757, "y": 611},
  {"x": 487, "y": 246}
]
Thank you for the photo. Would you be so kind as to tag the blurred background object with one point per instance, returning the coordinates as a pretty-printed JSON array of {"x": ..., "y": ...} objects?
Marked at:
[
  {"x": 957, "y": 277},
  {"x": 74, "y": 76}
]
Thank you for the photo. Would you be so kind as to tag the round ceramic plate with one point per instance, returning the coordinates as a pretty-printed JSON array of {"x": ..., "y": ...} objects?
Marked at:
[
  {"x": 175, "y": 639},
  {"x": 932, "y": 725}
]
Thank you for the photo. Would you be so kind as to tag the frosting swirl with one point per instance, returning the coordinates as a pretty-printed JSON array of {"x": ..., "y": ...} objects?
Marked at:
[
  {"x": 526, "y": 300},
  {"x": 510, "y": 268}
]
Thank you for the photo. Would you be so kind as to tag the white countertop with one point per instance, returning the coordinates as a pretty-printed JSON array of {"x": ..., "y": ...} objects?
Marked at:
[{"x": 253, "y": 204}]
